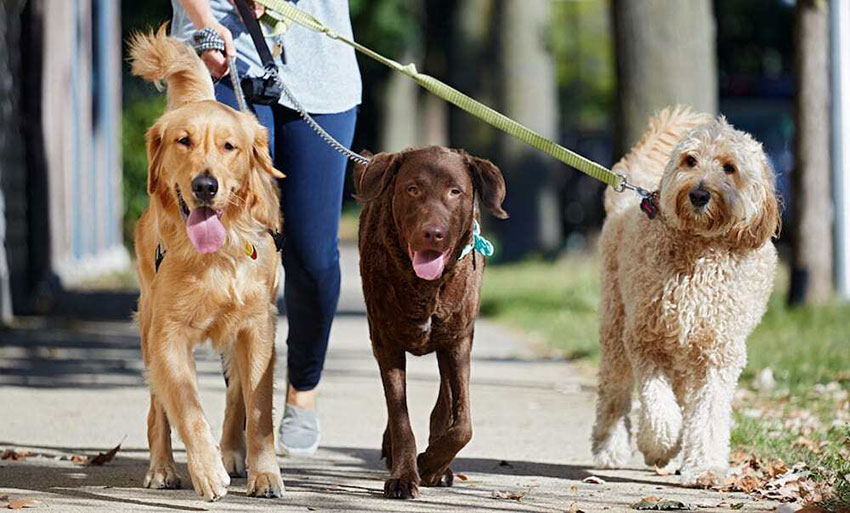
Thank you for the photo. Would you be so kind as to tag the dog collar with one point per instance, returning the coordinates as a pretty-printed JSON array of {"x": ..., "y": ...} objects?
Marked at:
[
  {"x": 249, "y": 249},
  {"x": 649, "y": 205},
  {"x": 478, "y": 243}
]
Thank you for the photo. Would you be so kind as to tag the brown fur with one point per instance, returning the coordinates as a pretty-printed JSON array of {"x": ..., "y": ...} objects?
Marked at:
[
  {"x": 225, "y": 297},
  {"x": 403, "y": 194}
]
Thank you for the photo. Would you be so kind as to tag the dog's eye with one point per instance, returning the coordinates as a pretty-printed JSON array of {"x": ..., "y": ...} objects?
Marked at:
[
  {"x": 229, "y": 147},
  {"x": 412, "y": 190},
  {"x": 185, "y": 141},
  {"x": 455, "y": 192},
  {"x": 729, "y": 169},
  {"x": 690, "y": 161}
]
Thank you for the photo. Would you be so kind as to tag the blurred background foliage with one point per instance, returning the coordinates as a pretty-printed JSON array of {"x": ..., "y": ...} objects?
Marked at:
[{"x": 464, "y": 42}]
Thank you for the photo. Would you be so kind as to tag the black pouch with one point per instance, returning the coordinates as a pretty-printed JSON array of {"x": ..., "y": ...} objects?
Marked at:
[{"x": 261, "y": 90}]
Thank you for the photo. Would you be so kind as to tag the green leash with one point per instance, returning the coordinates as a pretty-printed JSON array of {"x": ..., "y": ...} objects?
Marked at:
[{"x": 470, "y": 105}]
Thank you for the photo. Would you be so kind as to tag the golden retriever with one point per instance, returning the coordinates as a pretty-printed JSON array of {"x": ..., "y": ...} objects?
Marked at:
[{"x": 208, "y": 270}]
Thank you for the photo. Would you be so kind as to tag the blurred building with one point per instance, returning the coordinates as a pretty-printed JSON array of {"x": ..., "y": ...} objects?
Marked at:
[{"x": 60, "y": 166}]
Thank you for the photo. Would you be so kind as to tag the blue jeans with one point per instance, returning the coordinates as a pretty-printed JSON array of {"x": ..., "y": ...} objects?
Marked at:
[{"x": 311, "y": 201}]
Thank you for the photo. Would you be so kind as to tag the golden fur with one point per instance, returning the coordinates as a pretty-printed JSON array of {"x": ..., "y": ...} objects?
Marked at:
[
  {"x": 681, "y": 293},
  {"x": 225, "y": 297}
]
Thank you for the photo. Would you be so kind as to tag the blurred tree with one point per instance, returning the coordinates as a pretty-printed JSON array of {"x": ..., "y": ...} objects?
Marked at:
[
  {"x": 811, "y": 230},
  {"x": 583, "y": 46},
  {"x": 390, "y": 27},
  {"x": 471, "y": 69},
  {"x": 12, "y": 163},
  {"x": 528, "y": 95},
  {"x": 665, "y": 55}
]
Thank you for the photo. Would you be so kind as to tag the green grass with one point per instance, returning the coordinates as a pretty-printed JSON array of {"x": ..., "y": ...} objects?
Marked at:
[
  {"x": 557, "y": 303},
  {"x": 137, "y": 117},
  {"x": 820, "y": 441}
]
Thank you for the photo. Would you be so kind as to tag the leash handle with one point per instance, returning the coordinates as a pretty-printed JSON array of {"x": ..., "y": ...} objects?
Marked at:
[{"x": 208, "y": 39}]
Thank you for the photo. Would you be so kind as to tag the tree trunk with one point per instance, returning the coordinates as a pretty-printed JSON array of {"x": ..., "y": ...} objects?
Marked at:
[
  {"x": 12, "y": 157},
  {"x": 811, "y": 227},
  {"x": 529, "y": 96},
  {"x": 665, "y": 55}
]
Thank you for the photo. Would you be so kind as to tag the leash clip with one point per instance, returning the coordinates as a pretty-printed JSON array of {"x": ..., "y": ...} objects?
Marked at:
[{"x": 649, "y": 200}]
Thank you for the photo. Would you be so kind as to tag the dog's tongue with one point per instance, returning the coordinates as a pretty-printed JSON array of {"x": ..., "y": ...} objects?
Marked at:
[
  {"x": 205, "y": 230},
  {"x": 428, "y": 264}
]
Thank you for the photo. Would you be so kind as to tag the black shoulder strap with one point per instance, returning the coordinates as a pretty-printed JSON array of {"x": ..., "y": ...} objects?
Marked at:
[{"x": 253, "y": 27}]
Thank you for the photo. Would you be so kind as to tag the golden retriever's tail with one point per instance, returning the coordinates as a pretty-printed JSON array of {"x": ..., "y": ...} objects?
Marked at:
[
  {"x": 645, "y": 162},
  {"x": 158, "y": 57}
]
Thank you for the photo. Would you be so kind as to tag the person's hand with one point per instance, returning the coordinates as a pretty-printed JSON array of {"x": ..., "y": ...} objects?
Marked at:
[{"x": 216, "y": 61}]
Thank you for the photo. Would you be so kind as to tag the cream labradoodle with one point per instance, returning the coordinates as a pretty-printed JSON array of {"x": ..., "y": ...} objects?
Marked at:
[{"x": 681, "y": 292}]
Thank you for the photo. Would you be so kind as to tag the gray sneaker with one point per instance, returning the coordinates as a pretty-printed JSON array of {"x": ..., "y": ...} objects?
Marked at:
[{"x": 299, "y": 431}]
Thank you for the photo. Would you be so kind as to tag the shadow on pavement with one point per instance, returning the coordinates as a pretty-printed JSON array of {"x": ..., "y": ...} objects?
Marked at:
[{"x": 337, "y": 478}]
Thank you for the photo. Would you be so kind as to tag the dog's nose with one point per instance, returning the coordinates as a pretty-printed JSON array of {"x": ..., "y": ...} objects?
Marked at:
[
  {"x": 699, "y": 197},
  {"x": 433, "y": 233},
  {"x": 204, "y": 187}
]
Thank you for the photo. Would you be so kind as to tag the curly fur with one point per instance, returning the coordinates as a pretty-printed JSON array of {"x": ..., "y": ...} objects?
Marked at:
[{"x": 681, "y": 293}]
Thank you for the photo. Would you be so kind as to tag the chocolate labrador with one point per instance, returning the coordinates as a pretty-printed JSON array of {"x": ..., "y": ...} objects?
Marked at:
[{"x": 422, "y": 293}]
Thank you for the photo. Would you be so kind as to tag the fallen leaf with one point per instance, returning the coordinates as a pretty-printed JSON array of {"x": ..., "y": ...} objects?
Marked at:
[
  {"x": 11, "y": 454},
  {"x": 663, "y": 505},
  {"x": 738, "y": 505},
  {"x": 777, "y": 468},
  {"x": 812, "y": 508},
  {"x": 514, "y": 496},
  {"x": 105, "y": 457},
  {"x": 21, "y": 503},
  {"x": 748, "y": 484},
  {"x": 593, "y": 480},
  {"x": 462, "y": 477}
]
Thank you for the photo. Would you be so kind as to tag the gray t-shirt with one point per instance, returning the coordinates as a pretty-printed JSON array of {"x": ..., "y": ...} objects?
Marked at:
[{"x": 321, "y": 73}]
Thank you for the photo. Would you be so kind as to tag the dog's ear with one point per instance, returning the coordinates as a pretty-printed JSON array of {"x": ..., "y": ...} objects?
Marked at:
[
  {"x": 154, "y": 147},
  {"x": 371, "y": 180},
  {"x": 490, "y": 185},
  {"x": 260, "y": 157},
  {"x": 754, "y": 233},
  {"x": 262, "y": 197}
]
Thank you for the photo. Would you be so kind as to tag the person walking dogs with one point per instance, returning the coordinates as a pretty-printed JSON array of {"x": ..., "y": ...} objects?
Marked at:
[{"x": 324, "y": 77}]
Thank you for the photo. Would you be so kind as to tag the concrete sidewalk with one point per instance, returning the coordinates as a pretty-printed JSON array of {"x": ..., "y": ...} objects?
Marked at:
[{"x": 77, "y": 389}]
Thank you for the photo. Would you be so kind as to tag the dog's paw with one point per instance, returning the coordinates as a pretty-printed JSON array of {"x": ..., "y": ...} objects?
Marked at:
[
  {"x": 443, "y": 479},
  {"x": 209, "y": 477},
  {"x": 162, "y": 477},
  {"x": 703, "y": 477},
  {"x": 234, "y": 462},
  {"x": 611, "y": 458},
  {"x": 268, "y": 485},
  {"x": 402, "y": 488}
]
